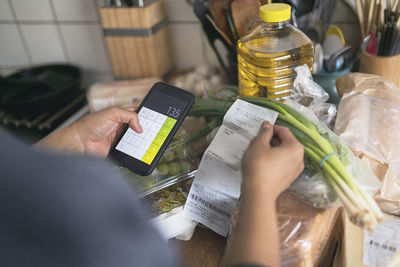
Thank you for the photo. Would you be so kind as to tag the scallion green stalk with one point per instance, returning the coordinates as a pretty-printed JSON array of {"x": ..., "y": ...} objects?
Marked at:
[{"x": 361, "y": 207}]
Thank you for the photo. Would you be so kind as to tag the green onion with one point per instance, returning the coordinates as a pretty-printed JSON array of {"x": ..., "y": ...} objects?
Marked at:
[
  {"x": 207, "y": 129},
  {"x": 319, "y": 146}
]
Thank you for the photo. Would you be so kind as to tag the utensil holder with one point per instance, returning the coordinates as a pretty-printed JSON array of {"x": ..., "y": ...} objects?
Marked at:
[
  {"x": 387, "y": 67},
  {"x": 137, "y": 39}
]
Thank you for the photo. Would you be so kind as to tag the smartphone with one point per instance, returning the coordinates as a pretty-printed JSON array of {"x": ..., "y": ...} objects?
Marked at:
[{"x": 160, "y": 114}]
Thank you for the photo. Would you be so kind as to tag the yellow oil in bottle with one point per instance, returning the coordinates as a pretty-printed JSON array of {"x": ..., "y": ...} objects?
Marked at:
[{"x": 268, "y": 55}]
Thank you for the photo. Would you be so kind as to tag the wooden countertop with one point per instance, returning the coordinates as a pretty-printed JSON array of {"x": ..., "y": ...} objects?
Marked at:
[
  {"x": 309, "y": 237},
  {"x": 204, "y": 249}
]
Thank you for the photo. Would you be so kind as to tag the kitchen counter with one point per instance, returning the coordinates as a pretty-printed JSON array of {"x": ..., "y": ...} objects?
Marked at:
[{"x": 309, "y": 237}]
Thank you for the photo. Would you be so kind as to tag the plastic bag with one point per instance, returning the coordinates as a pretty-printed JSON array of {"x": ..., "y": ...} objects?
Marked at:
[
  {"x": 126, "y": 93},
  {"x": 304, "y": 231},
  {"x": 313, "y": 96},
  {"x": 311, "y": 185},
  {"x": 305, "y": 86}
]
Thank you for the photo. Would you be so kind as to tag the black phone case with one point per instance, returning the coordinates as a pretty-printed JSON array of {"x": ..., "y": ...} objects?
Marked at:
[{"x": 136, "y": 165}]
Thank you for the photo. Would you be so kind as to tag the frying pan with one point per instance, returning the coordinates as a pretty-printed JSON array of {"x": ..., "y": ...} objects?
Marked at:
[{"x": 41, "y": 88}]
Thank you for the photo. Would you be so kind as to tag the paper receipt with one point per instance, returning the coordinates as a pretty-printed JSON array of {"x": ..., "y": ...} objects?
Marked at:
[{"x": 216, "y": 188}]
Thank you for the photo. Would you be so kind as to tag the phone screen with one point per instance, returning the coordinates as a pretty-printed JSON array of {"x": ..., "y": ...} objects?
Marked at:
[{"x": 157, "y": 116}]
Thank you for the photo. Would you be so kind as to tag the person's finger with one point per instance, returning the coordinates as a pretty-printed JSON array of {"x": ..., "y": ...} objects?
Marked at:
[
  {"x": 135, "y": 125},
  {"x": 275, "y": 141},
  {"x": 284, "y": 135},
  {"x": 290, "y": 143},
  {"x": 125, "y": 116},
  {"x": 265, "y": 133},
  {"x": 131, "y": 109}
]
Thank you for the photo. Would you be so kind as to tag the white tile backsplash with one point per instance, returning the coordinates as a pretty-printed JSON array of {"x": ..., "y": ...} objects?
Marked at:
[
  {"x": 186, "y": 45},
  {"x": 75, "y": 10},
  {"x": 32, "y": 9},
  {"x": 43, "y": 43},
  {"x": 180, "y": 10},
  {"x": 85, "y": 46},
  {"x": 12, "y": 52},
  {"x": 5, "y": 12}
]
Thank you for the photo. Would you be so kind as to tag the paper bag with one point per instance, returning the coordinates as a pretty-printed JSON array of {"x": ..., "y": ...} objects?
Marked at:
[{"x": 368, "y": 120}]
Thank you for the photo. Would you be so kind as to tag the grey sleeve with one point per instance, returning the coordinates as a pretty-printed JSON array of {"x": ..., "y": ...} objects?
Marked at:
[{"x": 71, "y": 211}]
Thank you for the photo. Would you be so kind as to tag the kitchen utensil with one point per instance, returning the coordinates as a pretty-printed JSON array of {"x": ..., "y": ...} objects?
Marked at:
[
  {"x": 333, "y": 41},
  {"x": 231, "y": 24},
  {"x": 118, "y": 3},
  {"x": 335, "y": 30},
  {"x": 217, "y": 10},
  {"x": 365, "y": 42},
  {"x": 339, "y": 60},
  {"x": 223, "y": 35},
  {"x": 371, "y": 47},
  {"x": 363, "y": 45},
  {"x": 370, "y": 16},
  {"x": 245, "y": 14},
  {"x": 213, "y": 35},
  {"x": 318, "y": 59},
  {"x": 140, "y": 3},
  {"x": 360, "y": 13}
]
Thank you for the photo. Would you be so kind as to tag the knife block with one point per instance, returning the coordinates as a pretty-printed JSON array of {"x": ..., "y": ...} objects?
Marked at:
[{"x": 137, "y": 40}]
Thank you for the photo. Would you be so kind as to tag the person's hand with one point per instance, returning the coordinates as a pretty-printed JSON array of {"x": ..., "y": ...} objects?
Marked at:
[
  {"x": 97, "y": 131},
  {"x": 93, "y": 134},
  {"x": 272, "y": 161}
]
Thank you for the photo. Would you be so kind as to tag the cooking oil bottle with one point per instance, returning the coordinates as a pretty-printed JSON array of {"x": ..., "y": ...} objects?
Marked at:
[{"x": 268, "y": 55}]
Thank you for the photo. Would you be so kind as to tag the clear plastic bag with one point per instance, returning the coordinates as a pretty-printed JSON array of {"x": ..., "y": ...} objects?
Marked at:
[
  {"x": 294, "y": 245},
  {"x": 306, "y": 87},
  {"x": 313, "y": 96},
  {"x": 311, "y": 185},
  {"x": 304, "y": 231}
]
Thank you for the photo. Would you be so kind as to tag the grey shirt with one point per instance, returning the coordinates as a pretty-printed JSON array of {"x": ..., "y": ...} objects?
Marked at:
[{"x": 59, "y": 210}]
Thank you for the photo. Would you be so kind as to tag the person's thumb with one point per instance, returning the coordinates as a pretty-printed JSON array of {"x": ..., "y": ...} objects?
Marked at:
[{"x": 265, "y": 133}]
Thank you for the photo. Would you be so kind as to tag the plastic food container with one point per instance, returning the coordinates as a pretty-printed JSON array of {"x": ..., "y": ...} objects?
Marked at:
[
  {"x": 166, "y": 211},
  {"x": 177, "y": 164}
]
